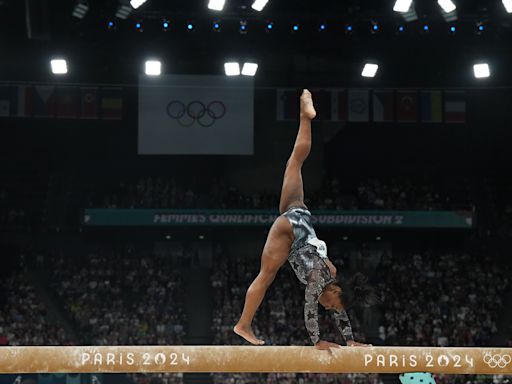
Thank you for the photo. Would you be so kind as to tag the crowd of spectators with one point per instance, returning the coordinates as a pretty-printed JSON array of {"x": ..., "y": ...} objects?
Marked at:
[
  {"x": 24, "y": 317},
  {"x": 391, "y": 194},
  {"x": 121, "y": 298},
  {"x": 452, "y": 299}
]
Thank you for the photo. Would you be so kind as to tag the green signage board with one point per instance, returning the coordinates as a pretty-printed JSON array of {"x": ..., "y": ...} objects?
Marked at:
[{"x": 368, "y": 219}]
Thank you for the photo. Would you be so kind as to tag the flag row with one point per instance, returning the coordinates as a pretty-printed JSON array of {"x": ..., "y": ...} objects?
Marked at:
[
  {"x": 377, "y": 105},
  {"x": 61, "y": 102}
]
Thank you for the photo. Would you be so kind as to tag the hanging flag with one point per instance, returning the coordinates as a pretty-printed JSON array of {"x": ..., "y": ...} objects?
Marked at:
[
  {"x": 111, "y": 104},
  {"x": 431, "y": 107},
  {"x": 288, "y": 104},
  {"x": 358, "y": 105},
  {"x": 44, "y": 101},
  {"x": 339, "y": 101},
  {"x": 322, "y": 101},
  {"x": 5, "y": 101},
  {"x": 383, "y": 105},
  {"x": 67, "y": 103},
  {"x": 407, "y": 106},
  {"x": 22, "y": 101},
  {"x": 454, "y": 107},
  {"x": 89, "y": 103}
]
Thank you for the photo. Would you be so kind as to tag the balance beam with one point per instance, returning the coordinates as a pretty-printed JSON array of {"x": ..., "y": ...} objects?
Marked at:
[{"x": 119, "y": 359}]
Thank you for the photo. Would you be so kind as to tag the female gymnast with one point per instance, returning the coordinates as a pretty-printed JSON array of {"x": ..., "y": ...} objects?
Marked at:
[{"x": 293, "y": 238}]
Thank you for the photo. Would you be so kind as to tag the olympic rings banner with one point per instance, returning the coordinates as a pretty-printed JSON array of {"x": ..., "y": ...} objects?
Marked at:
[
  {"x": 198, "y": 115},
  {"x": 368, "y": 219}
]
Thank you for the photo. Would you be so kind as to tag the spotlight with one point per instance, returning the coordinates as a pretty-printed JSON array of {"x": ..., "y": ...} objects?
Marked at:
[
  {"x": 402, "y": 6},
  {"x": 81, "y": 8},
  {"x": 401, "y": 29},
  {"x": 165, "y": 25},
  {"x": 322, "y": 27},
  {"x": 345, "y": 238},
  {"x": 375, "y": 27},
  {"x": 216, "y": 26},
  {"x": 111, "y": 25},
  {"x": 232, "y": 69},
  {"x": 480, "y": 27},
  {"x": 508, "y": 5},
  {"x": 270, "y": 26},
  {"x": 258, "y": 5},
  {"x": 249, "y": 69},
  {"x": 426, "y": 28},
  {"x": 295, "y": 27},
  {"x": 190, "y": 27},
  {"x": 216, "y": 5},
  {"x": 137, "y": 3},
  {"x": 153, "y": 68},
  {"x": 243, "y": 26},
  {"x": 139, "y": 27},
  {"x": 481, "y": 70},
  {"x": 348, "y": 28},
  {"x": 59, "y": 66},
  {"x": 369, "y": 70},
  {"x": 447, "y": 5},
  {"x": 453, "y": 29},
  {"x": 123, "y": 10}
]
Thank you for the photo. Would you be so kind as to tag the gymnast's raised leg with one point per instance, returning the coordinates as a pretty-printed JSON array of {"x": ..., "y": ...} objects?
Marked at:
[{"x": 280, "y": 237}]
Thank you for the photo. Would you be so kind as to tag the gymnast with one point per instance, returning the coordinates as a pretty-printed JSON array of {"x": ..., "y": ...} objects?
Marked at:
[{"x": 293, "y": 238}]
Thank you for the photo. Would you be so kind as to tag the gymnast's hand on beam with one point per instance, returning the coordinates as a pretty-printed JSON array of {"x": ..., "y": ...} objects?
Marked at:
[
  {"x": 352, "y": 343},
  {"x": 325, "y": 345}
]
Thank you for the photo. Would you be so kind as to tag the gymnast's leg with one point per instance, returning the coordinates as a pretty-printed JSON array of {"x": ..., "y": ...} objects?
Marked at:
[{"x": 280, "y": 238}]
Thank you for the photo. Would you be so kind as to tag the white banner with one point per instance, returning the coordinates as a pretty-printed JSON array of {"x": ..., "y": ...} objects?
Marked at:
[{"x": 181, "y": 114}]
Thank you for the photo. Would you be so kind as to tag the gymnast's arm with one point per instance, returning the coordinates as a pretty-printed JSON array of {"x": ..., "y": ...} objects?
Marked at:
[
  {"x": 314, "y": 289},
  {"x": 343, "y": 324}
]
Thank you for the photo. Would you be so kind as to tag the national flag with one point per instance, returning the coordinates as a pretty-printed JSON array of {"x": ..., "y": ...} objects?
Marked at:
[
  {"x": 5, "y": 101},
  {"x": 383, "y": 105},
  {"x": 339, "y": 100},
  {"x": 22, "y": 101},
  {"x": 44, "y": 101},
  {"x": 407, "y": 106},
  {"x": 431, "y": 106},
  {"x": 288, "y": 104},
  {"x": 358, "y": 105},
  {"x": 89, "y": 103},
  {"x": 67, "y": 102},
  {"x": 322, "y": 101},
  {"x": 454, "y": 107},
  {"x": 111, "y": 103}
]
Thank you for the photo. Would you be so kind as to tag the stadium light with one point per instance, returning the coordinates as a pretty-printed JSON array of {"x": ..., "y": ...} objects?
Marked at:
[
  {"x": 216, "y": 5},
  {"x": 59, "y": 66},
  {"x": 250, "y": 69},
  {"x": 369, "y": 70},
  {"x": 402, "y": 6},
  {"x": 137, "y": 3},
  {"x": 124, "y": 10},
  {"x": 447, "y": 5},
  {"x": 508, "y": 5},
  {"x": 232, "y": 69},
  {"x": 80, "y": 9},
  {"x": 153, "y": 68},
  {"x": 481, "y": 70},
  {"x": 258, "y": 5}
]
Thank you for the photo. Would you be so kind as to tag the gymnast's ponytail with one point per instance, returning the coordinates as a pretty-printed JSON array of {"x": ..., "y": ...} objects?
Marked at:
[{"x": 356, "y": 292}]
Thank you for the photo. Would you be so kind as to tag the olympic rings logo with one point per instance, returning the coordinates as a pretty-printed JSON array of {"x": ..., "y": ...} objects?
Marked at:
[
  {"x": 196, "y": 111},
  {"x": 500, "y": 361}
]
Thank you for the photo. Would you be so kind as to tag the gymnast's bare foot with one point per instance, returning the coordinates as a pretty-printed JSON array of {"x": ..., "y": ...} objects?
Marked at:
[
  {"x": 247, "y": 334},
  {"x": 307, "y": 110}
]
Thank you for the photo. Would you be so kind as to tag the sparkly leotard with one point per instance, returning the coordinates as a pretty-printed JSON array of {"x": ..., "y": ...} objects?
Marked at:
[{"x": 307, "y": 260}]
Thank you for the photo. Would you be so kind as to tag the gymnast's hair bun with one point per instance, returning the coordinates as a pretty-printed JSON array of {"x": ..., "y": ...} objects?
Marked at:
[{"x": 356, "y": 292}]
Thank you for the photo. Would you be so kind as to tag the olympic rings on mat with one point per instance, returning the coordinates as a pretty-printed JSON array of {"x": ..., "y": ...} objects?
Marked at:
[
  {"x": 494, "y": 361},
  {"x": 196, "y": 111}
]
